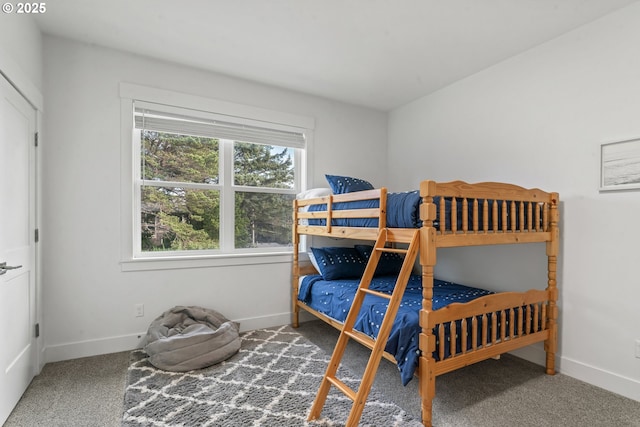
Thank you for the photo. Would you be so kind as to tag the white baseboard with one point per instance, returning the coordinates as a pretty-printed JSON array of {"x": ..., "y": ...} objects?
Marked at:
[
  {"x": 251, "y": 323},
  {"x": 95, "y": 347},
  {"x": 627, "y": 387},
  {"x": 41, "y": 359},
  {"x": 75, "y": 350},
  {"x": 610, "y": 381}
]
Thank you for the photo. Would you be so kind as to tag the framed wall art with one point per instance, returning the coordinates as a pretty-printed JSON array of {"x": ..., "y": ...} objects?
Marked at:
[{"x": 620, "y": 165}]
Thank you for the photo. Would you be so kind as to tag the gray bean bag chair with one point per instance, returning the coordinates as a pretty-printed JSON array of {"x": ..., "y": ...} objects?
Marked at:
[{"x": 187, "y": 338}]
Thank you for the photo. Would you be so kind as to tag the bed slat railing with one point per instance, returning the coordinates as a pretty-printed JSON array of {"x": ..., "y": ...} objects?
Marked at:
[
  {"x": 504, "y": 216},
  {"x": 465, "y": 214},
  {"x": 465, "y": 333},
  {"x": 329, "y": 211}
]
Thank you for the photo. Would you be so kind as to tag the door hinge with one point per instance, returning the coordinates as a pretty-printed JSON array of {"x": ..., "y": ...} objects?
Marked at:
[
  {"x": 37, "y": 330},
  {"x": 36, "y": 139},
  {"x": 37, "y": 235}
]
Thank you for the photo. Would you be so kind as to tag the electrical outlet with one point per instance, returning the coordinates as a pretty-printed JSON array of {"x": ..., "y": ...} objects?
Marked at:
[
  {"x": 138, "y": 310},
  {"x": 638, "y": 349}
]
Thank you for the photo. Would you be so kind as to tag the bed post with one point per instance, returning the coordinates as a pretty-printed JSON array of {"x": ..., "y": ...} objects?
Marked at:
[
  {"x": 551, "y": 343},
  {"x": 427, "y": 261},
  {"x": 295, "y": 268}
]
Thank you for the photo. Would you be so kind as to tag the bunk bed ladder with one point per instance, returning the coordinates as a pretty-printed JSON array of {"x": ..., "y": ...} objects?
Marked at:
[{"x": 376, "y": 346}]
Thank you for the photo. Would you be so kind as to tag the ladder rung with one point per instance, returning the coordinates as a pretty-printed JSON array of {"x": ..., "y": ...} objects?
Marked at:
[
  {"x": 345, "y": 389},
  {"x": 376, "y": 293},
  {"x": 363, "y": 339},
  {"x": 394, "y": 250}
]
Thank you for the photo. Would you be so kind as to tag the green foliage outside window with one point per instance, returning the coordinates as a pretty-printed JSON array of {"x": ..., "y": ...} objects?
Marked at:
[
  {"x": 262, "y": 218},
  {"x": 185, "y": 218}
]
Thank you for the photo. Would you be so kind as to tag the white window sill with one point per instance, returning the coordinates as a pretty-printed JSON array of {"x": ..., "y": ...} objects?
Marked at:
[{"x": 171, "y": 263}]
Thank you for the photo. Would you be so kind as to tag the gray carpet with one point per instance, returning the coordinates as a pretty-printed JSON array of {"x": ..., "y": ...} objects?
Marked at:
[
  {"x": 507, "y": 392},
  {"x": 271, "y": 381},
  {"x": 494, "y": 393},
  {"x": 83, "y": 392}
]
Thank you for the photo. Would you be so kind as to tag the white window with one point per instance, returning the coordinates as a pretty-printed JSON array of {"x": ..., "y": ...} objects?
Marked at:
[{"x": 207, "y": 182}]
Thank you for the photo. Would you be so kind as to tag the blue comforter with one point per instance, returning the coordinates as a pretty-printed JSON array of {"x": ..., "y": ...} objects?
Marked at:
[{"x": 334, "y": 298}]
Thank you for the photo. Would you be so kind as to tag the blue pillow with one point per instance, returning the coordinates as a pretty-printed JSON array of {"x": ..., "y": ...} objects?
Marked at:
[
  {"x": 403, "y": 209},
  {"x": 347, "y": 184},
  {"x": 339, "y": 263},
  {"x": 390, "y": 263}
]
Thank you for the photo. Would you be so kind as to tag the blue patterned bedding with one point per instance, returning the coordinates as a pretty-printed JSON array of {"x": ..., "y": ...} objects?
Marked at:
[{"x": 334, "y": 298}]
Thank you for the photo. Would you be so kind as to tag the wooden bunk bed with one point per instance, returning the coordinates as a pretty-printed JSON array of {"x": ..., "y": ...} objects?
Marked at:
[{"x": 452, "y": 214}]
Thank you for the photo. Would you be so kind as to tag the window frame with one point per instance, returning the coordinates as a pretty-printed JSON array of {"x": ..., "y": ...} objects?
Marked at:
[{"x": 133, "y": 258}]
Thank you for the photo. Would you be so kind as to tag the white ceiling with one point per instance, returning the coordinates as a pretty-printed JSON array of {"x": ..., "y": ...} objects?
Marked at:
[{"x": 376, "y": 53}]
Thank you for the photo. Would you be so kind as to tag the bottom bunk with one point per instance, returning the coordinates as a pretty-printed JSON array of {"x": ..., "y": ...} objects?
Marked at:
[
  {"x": 332, "y": 298},
  {"x": 468, "y": 324}
]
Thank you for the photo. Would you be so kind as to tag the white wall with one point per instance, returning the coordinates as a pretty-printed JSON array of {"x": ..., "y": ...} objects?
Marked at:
[
  {"x": 538, "y": 120},
  {"x": 20, "y": 40},
  {"x": 88, "y": 299}
]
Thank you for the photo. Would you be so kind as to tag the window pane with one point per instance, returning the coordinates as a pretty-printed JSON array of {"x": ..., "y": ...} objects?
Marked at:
[
  {"x": 183, "y": 158},
  {"x": 266, "y": 166},
  {"x": 175, "y": 219},
  {"x": 263, "y": 220}
]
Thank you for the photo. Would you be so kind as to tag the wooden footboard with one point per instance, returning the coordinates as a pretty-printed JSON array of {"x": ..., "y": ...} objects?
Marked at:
[
  {"x": 467, "y": 333},
  {"x": 461, "y": 334}
]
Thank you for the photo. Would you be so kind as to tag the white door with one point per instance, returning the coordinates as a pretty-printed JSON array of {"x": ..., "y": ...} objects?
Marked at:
[{"x": 17, "y": 247}]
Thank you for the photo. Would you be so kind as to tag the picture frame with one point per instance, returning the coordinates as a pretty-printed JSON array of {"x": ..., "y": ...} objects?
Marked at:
[{"x": 620, "y": 165}]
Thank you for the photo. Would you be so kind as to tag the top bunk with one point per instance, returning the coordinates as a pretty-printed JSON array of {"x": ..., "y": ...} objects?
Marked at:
[{"x": 451, "y": 214}]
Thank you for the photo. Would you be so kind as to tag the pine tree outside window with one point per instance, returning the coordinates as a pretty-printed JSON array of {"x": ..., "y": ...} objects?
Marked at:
[{"x": 210, "y": 184}]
